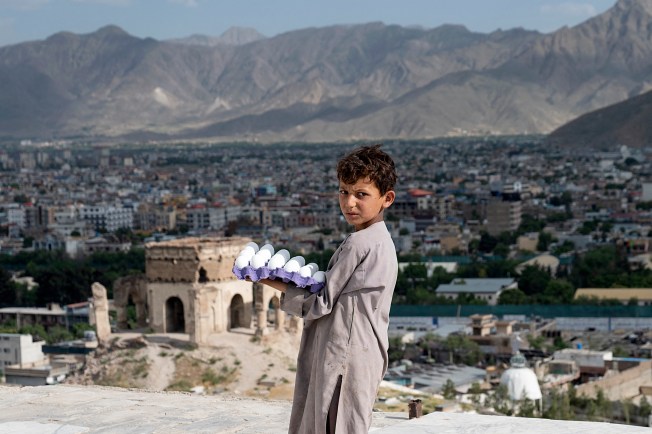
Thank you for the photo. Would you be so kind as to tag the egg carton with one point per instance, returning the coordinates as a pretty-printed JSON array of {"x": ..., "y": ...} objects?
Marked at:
[{"x": 255, "y": 275}]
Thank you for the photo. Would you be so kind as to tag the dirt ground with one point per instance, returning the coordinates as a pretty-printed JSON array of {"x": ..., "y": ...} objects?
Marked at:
[{"x": 236, "y": 362}]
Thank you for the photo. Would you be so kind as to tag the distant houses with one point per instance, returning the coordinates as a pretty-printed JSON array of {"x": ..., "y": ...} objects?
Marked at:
[{"x": 483, "y": 289}]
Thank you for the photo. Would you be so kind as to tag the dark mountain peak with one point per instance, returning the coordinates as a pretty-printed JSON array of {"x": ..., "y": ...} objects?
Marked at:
[{"x": 634, "y": 5}]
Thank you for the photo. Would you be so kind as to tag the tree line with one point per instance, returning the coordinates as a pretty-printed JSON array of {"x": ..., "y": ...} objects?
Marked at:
[
  {"x": 603, "y": 267},
  {"x": 61, "y": 279}
]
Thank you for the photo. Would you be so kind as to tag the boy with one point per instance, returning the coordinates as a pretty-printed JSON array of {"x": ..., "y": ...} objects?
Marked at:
[{"x": 343, "y": 354}]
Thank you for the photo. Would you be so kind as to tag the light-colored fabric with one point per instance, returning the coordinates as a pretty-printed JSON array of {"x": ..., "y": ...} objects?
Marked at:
[{"x": 345, "y": 333}]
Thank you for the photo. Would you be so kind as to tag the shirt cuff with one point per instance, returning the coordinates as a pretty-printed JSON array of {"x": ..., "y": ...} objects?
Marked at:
[{"x": 292, "y": 300}]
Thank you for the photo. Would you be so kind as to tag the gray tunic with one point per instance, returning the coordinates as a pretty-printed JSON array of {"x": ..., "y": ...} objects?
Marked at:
[{"x": 345, "y": 333}]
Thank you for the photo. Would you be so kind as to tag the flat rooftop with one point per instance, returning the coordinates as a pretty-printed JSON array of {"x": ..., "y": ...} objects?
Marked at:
[{"x": 65, "y": 409}]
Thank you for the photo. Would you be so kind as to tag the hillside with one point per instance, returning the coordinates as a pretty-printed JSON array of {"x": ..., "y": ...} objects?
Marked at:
[
  {"x": 367, "y": 81},
  {"x": 626, "y": 123},
  {"x": 234, "y": 362}
]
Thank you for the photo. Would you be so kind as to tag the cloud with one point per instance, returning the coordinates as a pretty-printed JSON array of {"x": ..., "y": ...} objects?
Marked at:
[
  {"x": 24, "y": 5},
  {"x": 187, "y": 3},
  {"x": 577, "y": 10}
]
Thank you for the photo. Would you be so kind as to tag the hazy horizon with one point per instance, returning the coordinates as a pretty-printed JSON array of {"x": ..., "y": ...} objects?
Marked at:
[{"x": 25, "y": 20}]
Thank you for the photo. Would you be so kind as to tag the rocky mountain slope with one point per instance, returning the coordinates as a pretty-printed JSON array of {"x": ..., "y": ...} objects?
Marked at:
[
  {"x": 626, "y": 123},
  {"x": 369, "y": 81}
]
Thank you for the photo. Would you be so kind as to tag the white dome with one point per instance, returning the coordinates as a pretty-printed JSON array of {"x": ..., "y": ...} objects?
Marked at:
[{"x": 521, "y": 382}]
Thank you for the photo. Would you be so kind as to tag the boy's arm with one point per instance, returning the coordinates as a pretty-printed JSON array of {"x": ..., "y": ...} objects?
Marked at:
[{"x": 300, "y": 302}]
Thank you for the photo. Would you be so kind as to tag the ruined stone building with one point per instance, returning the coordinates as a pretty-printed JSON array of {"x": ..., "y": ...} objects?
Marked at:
[{"x": 189, "y": 287}]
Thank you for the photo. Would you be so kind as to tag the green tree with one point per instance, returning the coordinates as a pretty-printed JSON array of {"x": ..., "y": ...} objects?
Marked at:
[
  {"x": 526, "y": 408},
  {"x": 557, "y": 291},
  {"x": 644, "y": 407},
  {"x": 8, "y": 289},
  {"x": 463, "y": 349},
  {"x": 58, "y": 334},
  {"x": 545, "y": 239},
  {"x": 36, "y": 330},
  {"x": 448, "y": 390},
  {"x": 530, "y": 224},
  {"x": 565, "y": 247},
  {"x": 513, "y": 296},
  {"x": 396, "y": 349},
  {"x": 487, "y": 243},
  {"x": 533, "y": 280},
  {"x": 500, "y": 401}
]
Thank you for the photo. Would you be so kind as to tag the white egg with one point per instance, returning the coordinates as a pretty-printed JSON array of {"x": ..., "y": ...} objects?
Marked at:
[
  {"x": 319, "y": 276},
  {"x": 242, "y": 261},
  {"x": 305, "y": 271},
  {"x": 277, "y": 261},
  {"x": 284, "y": 253},
  {"x": 269, "y": 248},
  {"x": 314, "y": 267},
  {"x": 258, "y": 261},
  {"x": 253, "y": 246},
  {"x": 247, "y": 251},
  {"x": 300, "y": 260},
  {"x": 264, "y": 254},
  {"x": 292, "y": 266}
]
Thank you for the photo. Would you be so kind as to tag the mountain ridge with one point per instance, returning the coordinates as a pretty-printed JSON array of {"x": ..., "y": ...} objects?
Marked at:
[{"x": 342, "y": 82}]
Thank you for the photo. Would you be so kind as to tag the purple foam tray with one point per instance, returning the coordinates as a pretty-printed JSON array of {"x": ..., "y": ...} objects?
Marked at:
[{"x": 278, "y": 274}]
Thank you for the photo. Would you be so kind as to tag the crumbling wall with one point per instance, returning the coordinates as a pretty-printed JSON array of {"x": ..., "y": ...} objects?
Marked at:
[
  {"x": 192, "y": 259},
  {"x": 135, "y": 287},
  {"x": 197, "y": 271},
  {"x": 621, "y": 385}
]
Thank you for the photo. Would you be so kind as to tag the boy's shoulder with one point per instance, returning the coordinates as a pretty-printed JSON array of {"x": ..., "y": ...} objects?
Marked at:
[{"x": 371, "y": 236}]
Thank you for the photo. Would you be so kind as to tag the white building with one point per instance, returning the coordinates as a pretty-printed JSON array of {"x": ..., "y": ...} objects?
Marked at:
[
  {"x": 485, "y": 289},
  {"x": 16, "y": 215},
  {"x": 108, "y": 217},
  {"x": 18, "y": 349}
]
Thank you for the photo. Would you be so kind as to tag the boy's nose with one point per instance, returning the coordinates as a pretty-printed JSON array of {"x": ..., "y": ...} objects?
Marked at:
[{"x": 351, "y": 201}]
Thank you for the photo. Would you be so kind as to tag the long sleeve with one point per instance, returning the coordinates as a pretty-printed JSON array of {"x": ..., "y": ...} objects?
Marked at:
[{"x": 344, "y": 266}]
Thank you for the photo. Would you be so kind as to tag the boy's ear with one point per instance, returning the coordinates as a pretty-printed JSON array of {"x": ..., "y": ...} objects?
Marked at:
[{"x": 389, "y": 198}]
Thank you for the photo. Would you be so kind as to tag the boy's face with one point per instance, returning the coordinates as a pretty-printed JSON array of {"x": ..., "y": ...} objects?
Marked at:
[{"x": 362, "y": 204}]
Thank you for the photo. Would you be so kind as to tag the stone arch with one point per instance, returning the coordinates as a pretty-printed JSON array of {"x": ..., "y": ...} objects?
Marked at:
[
  {"x": 175, "y": 321},
  {"x": 273, "y": 307},
  {"x": 130, "y": 288},
  {"x": 237, "y": 312},
  {"x": 279, "y": 315}
]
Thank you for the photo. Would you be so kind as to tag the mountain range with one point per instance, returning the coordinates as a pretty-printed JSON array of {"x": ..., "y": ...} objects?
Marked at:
[{"x": 369, "y": 81}]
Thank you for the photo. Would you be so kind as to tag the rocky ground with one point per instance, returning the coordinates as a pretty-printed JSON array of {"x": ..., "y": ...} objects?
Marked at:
[{"x": 235, "y": 362}]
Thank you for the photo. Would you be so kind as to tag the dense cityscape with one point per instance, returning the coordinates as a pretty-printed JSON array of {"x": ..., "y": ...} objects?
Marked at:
[{"x": 479, "y": 225}]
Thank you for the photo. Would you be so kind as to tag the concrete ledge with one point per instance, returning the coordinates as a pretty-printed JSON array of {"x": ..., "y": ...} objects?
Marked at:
[
  {"x": 467, "y": 423},
  {"x": 78, "y": 409}
]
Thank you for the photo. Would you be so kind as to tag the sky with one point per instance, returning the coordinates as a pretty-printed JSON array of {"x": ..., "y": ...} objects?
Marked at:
[{"x": 25, "y": 20}]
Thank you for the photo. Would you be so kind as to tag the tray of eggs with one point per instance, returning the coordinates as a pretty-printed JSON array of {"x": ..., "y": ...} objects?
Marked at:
[{"x": 256, "y": 263}]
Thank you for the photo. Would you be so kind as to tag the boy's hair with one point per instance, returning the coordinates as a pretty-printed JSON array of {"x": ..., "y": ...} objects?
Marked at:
[{"x": 368, "y": 162}]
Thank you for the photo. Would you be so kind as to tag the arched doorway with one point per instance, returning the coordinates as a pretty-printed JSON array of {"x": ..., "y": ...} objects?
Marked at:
[
  {"x": 272, "y": 311},
  {"x": 237, "y": 312},
  {"x": 175, "y": 321}
]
